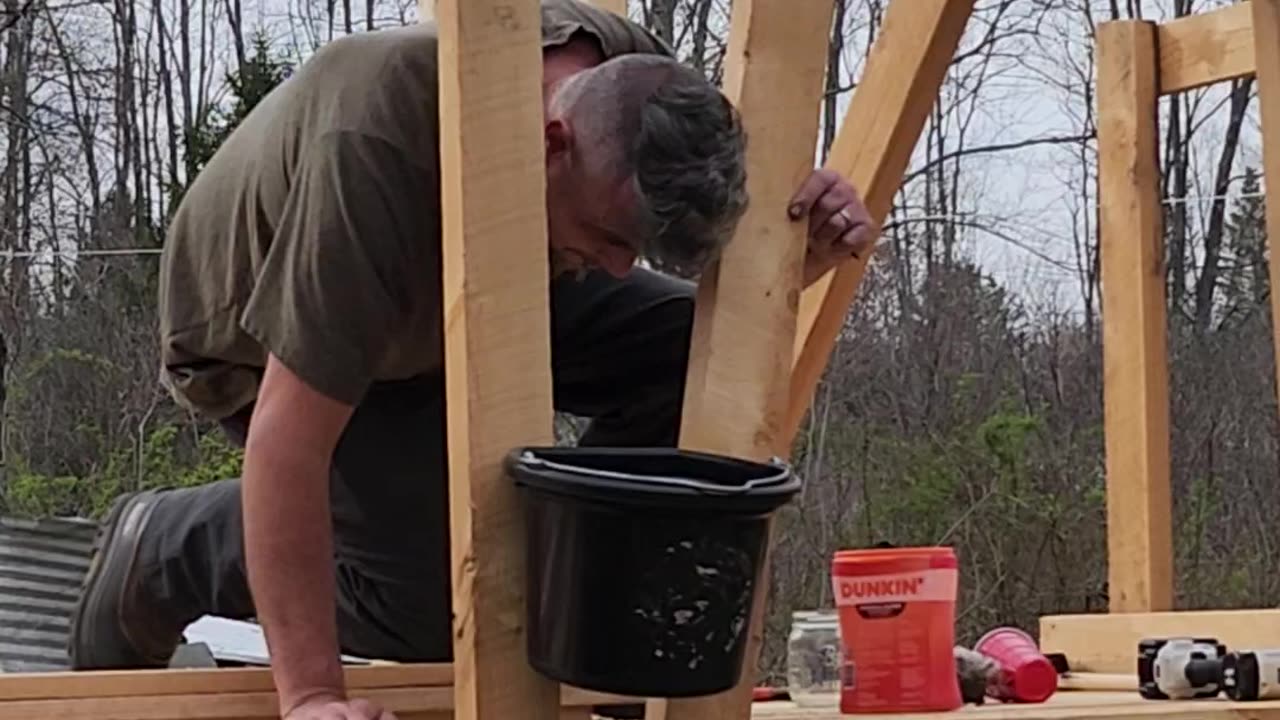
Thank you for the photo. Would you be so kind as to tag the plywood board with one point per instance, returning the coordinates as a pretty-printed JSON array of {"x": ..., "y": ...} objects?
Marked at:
[
  {"x": 497, "y": 337},
  {"x": 1108, "y": 643},
  {"x": 916, "y": 42},
  {"x": 1135, "y": 348}
]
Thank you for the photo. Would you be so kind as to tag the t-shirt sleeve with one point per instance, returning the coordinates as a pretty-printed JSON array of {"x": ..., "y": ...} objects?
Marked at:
[
  {"x": 617, "y": 35},
  {"x": 334, "y": 288}
]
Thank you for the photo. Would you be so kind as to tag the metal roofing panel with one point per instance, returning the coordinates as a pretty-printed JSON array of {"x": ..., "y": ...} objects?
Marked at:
[{"x": 41, "y": 565}]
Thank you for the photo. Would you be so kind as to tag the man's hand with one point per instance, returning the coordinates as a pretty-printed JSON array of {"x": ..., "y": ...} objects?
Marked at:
[
  {"x": 840, "y": 227},
  {"x": 338, "y": 709},
  {"x": 288, "y": 541}
]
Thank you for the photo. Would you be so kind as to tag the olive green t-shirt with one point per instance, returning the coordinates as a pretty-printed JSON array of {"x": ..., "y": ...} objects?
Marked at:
[{"x": 314, "y": 231}]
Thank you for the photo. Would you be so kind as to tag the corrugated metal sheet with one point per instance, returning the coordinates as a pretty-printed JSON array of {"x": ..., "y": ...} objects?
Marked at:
[{"x": 41, "y": 565}]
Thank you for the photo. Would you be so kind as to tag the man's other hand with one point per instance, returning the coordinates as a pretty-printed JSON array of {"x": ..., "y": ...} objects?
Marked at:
[
  {"x": 338, "y": 709},
  {"x": 840, "y": 227}
]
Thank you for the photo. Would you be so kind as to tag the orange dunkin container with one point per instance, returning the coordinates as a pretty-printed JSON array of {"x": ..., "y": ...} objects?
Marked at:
[{"x": 897, "y": 628}]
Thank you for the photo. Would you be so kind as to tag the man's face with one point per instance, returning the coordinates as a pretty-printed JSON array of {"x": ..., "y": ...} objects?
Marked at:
[{"x": 587, "y": 212}]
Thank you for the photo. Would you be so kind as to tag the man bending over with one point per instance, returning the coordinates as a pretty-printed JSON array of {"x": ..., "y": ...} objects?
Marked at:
[{"x": 300, "y": 306}]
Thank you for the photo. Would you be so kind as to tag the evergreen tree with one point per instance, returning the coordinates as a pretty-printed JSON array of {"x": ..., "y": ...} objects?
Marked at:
[{"x": 262, "y": 72}]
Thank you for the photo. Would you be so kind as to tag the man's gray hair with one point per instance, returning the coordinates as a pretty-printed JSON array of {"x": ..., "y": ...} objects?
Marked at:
[{"x": 680, "y": 141}]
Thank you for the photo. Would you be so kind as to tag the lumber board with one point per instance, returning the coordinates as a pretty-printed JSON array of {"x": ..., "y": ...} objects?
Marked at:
[
  {"x": 1266, "y": 33},
  {"x": 117, "y": 683},
  {"x": 409, "y": 703},
  {"x": 414, "y": 704},
  {"x": 497, "y": 337},
  {"x": 1135, "y": 345},
  {"x": 913, "y": 49},
  {"x": 739, "y": 372},
  {"x": 1108, "y": 642},
  {"x": 405, "y": 703},
  {"x": 1062, "y": 706},
  {"x": 1105, "y": 682},
  {"x": 122, "y": 683},
  {"x": 615, "y": 6},
  {"x": 1205, "y": 48}
]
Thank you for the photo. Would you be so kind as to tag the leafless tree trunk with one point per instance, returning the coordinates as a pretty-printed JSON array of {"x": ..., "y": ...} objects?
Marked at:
[
  {"x": 166, "y": 85},
  {"x": 835, "y": 68},
  {"x": 15, "y": 174},
  {"x": 1207, "y": 284},
  {"x": 236, "y": 20}
]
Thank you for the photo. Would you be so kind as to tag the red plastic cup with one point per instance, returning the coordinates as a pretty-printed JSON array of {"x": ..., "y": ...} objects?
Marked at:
[{"x": 1026, "y": 675}]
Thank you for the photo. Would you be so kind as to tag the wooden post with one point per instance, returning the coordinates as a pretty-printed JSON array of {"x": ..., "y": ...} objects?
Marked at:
[
  {"x": 1135, "y": 346},
  {"x": 1266, "y": 34},
  {"x": 744, "y": 326},
  {"x": 913, "y": 49},
  {"x": 617, "y": 6},
  {"x": 497, "y": 337}
]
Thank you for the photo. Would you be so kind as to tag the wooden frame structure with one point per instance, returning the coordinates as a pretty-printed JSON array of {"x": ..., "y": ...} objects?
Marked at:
[
  {"x": 1138, "y": 63},
  {"x": 496, "y": 309},
  {"x": 781, "y": 333}
]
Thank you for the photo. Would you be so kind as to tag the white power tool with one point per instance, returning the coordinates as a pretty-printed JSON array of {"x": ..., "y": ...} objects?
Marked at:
[
  {"x": 1251, "y": 674},
  {"x": 1180, "y": 668}
]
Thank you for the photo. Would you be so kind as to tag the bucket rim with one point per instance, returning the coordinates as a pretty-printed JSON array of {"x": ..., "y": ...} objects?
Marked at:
[{"x": 779, "y": 475}]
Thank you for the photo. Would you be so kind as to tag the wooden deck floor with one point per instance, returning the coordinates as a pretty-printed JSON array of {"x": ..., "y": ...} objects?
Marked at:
[
  {"x": 424, "y": 692},
  {"x": 1070, "y": 705}
]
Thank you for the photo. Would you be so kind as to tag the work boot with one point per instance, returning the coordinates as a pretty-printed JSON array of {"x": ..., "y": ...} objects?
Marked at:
[{"x": 114, "y": 626}]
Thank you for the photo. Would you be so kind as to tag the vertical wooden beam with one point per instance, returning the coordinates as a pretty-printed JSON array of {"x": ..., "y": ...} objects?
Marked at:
[
  {"x": 616, "y": 6},
  {"x": 1135, "y": 345},
  {"x": 1266, "y": 42},
  {"x": 915, "y": 45},
  {"x": 497, "y": 337},
  {"x": 744, "y": 326}
]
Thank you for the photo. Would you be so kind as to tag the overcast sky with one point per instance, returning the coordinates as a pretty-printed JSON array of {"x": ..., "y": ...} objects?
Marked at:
[{"x": 1024, "y": 197}]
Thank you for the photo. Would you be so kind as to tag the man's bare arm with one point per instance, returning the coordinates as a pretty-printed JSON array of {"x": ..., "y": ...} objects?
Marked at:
[{"x": 288, "y": 535}]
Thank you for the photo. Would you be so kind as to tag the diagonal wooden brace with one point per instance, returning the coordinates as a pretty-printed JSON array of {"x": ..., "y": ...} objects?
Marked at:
[
  {"x": 744, "y": 326},
  {"x": 900, "y": 84}
]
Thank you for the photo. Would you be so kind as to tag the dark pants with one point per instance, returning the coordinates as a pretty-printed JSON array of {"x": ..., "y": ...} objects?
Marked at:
[{"x": 619, "y": 351}]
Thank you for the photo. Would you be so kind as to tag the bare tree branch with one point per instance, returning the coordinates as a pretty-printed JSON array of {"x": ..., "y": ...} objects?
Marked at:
[{"x": 995, "y": 148}]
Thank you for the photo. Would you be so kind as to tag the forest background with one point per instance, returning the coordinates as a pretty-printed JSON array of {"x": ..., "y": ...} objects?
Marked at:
[{"x": 963, "y": 404}]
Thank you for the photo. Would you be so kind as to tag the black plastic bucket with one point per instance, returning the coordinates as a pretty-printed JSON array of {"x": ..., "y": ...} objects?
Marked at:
[{"x": 642, "y": 564}]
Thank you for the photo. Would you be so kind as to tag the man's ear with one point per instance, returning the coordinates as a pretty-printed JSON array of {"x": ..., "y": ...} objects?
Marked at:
[{"x": 558, "y": 138}]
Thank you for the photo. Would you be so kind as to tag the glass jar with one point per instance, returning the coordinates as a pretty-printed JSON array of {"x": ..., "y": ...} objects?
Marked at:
[{"x": 813, "y": 658}]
